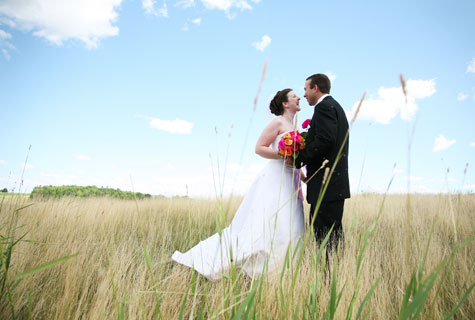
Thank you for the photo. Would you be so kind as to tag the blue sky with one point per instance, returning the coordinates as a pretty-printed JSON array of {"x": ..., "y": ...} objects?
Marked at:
[{"x": 159, "y": 95}]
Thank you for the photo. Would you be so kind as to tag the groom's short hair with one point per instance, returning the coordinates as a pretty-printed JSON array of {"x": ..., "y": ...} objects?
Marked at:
[{"x": 321, "y": 81}]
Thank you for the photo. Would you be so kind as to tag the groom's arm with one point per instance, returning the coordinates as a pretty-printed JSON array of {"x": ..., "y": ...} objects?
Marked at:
[{"x": 323, "y": 139}]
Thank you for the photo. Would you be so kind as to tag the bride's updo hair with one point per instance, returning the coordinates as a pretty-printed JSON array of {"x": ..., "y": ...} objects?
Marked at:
[{"x": 276, "y": 106}]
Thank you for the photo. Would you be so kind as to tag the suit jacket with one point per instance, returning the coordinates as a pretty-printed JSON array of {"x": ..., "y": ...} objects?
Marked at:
[{"x": 327, "y": 132}]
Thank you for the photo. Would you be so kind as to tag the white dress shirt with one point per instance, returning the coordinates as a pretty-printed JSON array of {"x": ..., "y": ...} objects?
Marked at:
[{"x": 321, "y": 98}]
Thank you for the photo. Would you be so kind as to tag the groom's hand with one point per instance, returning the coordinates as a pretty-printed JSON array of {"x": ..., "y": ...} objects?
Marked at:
[{"x": 289, "y": 160}]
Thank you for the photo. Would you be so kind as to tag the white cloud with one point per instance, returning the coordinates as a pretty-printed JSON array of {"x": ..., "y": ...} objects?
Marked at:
[
  {"x": 462, "y": 96},
  {"x": 471, "y": 66},
  {"x": 442, "y": 143},
  {"x": 196, "y": 21},
  {"x": 391, "y": 101},
  {"x": 170, "y": 166},
  {"x": 472, "y": 144},
  {"x": 57, "y": 21},
  {"x": 397, "y": 170},
  {"x": 413, "y": 178},
  {"x": 55, "y": 179},
  {"x": 265, "y": 41},
  {"x": 4, "y": 35},
  {"x": 226, "y": 5},
  {"x": 3, "y": 162},
  {"x": 149, "y": 6},
  {"x": 4, "y": 44},
  {"x": 6, "y": 54},
  {"x": 331, "y": 76},
  {"x": 175, "y": 126},
  {"x": 420, "y": 188},
  {"x": 469, "y": 187},
  {"x": 185, "y": 3},
  {"x": 26, "y": 166},
  {"x": 83, "y": 157}
]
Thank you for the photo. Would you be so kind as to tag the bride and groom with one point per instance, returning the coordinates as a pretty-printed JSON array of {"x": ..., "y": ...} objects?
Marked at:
[{"x": 270, "y": 219}]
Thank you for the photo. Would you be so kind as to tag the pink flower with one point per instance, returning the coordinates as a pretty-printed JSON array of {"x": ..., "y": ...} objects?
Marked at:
[
  {"x": 282, "y": 144},
  {"x": 306, "y": 123}
]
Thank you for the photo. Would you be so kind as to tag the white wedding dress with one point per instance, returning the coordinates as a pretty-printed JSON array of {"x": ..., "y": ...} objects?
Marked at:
[{"x": 268, "y": 222}]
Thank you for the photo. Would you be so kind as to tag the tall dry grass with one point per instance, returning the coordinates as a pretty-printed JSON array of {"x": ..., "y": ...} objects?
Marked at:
[{"x": 123, "y": 268}]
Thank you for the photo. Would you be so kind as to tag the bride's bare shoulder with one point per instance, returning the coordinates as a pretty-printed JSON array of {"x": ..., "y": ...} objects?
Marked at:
[{"x": 277, "y": 123}]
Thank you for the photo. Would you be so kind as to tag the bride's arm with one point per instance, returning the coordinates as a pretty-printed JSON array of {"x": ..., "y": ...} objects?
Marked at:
[{"x": 268, "y": 135}]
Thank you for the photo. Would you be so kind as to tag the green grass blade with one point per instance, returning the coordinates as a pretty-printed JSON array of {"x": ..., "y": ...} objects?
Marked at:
[
  {"x": 147, "y": 258},
  {"x": 183, "y": 305},
  {"x": 407, "y": 296},
  {"x": 454, "y": 310},
  {"x": 121, "y": 315},
  {"x": 333, "y": 297},
  {"x": 366, "y": 299},
  {"x": 43, "y": 267},
  {"x": 415, "y": 307},
  {"x": 245, "y": 306}
]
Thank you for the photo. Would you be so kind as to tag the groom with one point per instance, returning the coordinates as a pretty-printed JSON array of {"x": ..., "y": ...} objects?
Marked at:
[{"x": 326, "y": 135}]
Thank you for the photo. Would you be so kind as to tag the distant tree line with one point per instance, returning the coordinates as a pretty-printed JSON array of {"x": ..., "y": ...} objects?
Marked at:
[
  {"x": 5, "y": 190},
  {"x": 84, "y": 192}
]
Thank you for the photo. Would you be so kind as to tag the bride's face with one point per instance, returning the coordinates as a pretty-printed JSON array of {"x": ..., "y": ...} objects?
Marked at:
[{"x": 293, "y": 102}]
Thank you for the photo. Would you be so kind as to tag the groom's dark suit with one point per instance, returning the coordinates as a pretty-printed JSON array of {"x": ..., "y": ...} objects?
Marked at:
[{"x": 327, "y": 132}]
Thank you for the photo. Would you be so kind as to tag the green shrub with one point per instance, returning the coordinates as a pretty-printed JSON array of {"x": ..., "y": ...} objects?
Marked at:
[{"x": 84, "y": 192}]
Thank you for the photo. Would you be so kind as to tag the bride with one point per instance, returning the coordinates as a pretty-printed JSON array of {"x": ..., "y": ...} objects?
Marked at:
[{"x": 269, "y": 221}]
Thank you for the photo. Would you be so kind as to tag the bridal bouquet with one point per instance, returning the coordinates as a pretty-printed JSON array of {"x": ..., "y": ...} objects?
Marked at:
[{"x": 291, "y": 143}]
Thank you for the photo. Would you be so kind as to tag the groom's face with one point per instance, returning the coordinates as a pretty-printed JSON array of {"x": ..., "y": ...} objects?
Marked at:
[{"x": 310, "y": 93}]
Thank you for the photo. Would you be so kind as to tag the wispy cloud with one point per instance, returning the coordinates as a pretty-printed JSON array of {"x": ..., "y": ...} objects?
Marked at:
[
  {"x": 83, "y": 157},
  {"x": 331, "y": 76},
  {"x": 472, "y": 144},
  {"x": 150, "y": 8},
  {"x": 442, "y": 143},
  {"x": 6, "y": 54},
  {"x": 26, "y": 166},
  {"x": 4, "y": 35},
  {"x": 172, "y": 126},
  {"x": 196, "y": 22},
  {"x": 185, "y": 3},
  {"x": 5, "y": 44},
  {"x": 226, "y": 5},
  {"x": 471, "y": 66},
  {"x": 261, "y": 45},
  {"x": 462, "y": 96},
  {"x": 3, "y": 162},
  {"x": 391, "y": 101},
  {"x": 413, "y": 178},
  {"x": 57, "y": 21}
]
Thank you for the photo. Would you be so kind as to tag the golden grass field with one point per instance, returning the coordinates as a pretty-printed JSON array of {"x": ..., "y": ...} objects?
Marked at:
[{"x": 112, "y": 277}]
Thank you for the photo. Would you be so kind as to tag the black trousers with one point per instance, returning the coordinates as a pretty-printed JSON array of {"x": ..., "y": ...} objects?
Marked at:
[{"x": 329, "y": 214}]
